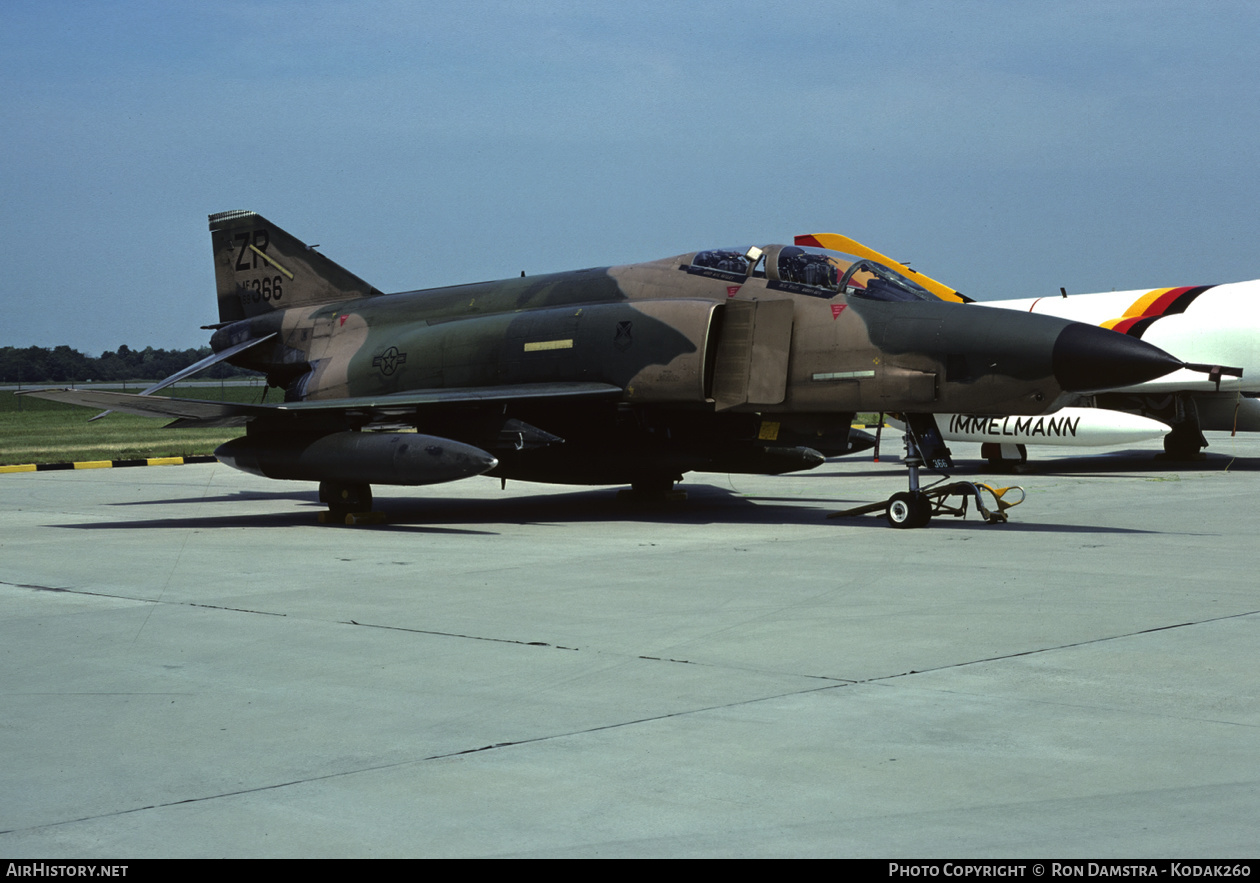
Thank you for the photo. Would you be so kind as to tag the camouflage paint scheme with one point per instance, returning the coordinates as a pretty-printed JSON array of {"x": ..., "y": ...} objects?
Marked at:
[{"x": 726, "y": 360}]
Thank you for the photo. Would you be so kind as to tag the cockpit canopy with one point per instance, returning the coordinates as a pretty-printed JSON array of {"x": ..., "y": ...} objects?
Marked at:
[{"x": 807, "y": 270}]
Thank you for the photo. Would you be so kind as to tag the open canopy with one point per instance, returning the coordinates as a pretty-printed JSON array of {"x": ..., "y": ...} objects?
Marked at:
[{"x": 809, "y": 270}]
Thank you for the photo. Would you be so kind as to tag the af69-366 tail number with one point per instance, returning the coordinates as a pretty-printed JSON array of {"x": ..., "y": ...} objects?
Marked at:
[{"x": 268, "y": 288}]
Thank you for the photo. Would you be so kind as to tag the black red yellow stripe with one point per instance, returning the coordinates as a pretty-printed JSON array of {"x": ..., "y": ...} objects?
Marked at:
[{"x": 1154, "y": 305}]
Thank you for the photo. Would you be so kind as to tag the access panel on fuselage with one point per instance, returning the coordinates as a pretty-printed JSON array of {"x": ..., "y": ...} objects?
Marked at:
[{"x": 753, "y": 350}]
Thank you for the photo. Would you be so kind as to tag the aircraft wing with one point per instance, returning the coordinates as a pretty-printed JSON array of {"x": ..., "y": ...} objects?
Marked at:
[{"x": 198, "y": 412}]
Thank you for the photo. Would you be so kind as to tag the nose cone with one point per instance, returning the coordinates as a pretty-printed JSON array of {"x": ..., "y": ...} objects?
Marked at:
[{"x": 1087, "y": 358}]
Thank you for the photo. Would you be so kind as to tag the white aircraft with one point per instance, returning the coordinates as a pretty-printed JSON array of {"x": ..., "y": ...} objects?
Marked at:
[{"x": 1214, "y": 326}]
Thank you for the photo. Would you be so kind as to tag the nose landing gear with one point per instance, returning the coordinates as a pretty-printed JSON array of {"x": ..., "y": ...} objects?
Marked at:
[{"x": 917, "y": 506}]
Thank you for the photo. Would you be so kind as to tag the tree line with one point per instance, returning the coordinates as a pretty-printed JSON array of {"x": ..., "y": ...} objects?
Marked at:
[{"x": 37, "y": 364}]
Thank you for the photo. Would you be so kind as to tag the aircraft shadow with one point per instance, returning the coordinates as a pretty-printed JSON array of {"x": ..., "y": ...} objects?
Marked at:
[
  {"x": 974, "y": 522},
  {"x": 235, "y": 497},
  {"x": 705, "y": 504},
  {"x": 298, "y": 518}
]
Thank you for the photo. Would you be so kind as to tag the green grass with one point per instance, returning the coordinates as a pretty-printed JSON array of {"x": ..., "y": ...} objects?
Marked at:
[{"x": 39, "y": 431}]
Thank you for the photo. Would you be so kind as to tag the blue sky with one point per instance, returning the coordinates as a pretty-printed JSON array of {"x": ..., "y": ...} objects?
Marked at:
[{"x": 1007, "y": 149}]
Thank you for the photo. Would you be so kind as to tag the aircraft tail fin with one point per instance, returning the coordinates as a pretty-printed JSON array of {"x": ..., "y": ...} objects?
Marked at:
[{"x": 259, "y": 268}]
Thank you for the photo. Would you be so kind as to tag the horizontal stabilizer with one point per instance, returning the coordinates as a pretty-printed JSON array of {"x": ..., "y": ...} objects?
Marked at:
[
  {"x": 199, "y": 366},
  {"x": 208, "y": 361},
  {"x": 196, "y": 411}
]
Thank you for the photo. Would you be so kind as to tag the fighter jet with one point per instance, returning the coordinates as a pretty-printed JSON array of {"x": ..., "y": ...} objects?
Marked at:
[
  {"x": 1215, "y": 327},
  {"x": 746, "y": 359}
]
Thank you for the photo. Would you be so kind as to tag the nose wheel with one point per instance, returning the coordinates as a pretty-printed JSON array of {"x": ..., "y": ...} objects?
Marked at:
[{"x": 909, "y": 509}]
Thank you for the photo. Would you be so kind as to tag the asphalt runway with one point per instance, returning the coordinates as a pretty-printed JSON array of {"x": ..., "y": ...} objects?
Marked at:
[{"x": 192, "y": 666}]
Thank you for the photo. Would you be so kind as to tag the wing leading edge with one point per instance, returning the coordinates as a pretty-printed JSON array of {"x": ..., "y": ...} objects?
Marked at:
[{"x": 199, "y": 412}]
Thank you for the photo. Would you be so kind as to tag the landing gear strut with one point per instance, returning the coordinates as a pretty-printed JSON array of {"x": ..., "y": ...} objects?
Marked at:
[
  {"x": 1185, "y": 441},
  {"x": 913, "y": 508}
]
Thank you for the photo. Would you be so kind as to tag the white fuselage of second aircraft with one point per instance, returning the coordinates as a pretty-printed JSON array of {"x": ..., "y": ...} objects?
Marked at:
[
  {"x": 1214, "y": 325},
  {"x": 1211, "y": 325},
  {"x": 1207, "y": 324}
]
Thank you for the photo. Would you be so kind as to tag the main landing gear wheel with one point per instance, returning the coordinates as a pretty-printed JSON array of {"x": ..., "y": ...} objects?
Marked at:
[
  {"x": 345, "y": 500},
  {"x": 1184, "y": 442},
  {"x": 652, "y": 490},
  {"x": 653, "y": 485},
  {"x": 909, "y": 509}
]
